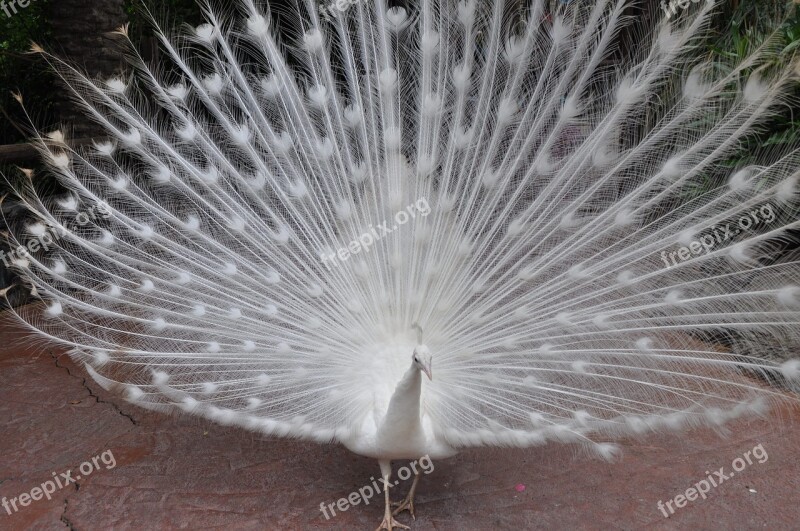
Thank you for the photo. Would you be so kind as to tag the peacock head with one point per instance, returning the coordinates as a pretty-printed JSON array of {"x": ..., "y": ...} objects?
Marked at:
[{"x": 422, "y": 360}]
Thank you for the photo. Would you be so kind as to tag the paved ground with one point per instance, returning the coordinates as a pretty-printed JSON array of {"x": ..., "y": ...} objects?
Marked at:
[{"x": 172, "y": 472}]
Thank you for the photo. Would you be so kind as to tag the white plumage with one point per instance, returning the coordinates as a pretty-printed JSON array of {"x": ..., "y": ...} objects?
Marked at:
[{"x": 254, "y": 266}]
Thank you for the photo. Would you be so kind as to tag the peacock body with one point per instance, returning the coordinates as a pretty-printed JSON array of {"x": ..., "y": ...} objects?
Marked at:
[{"x": 415, "y": 230}]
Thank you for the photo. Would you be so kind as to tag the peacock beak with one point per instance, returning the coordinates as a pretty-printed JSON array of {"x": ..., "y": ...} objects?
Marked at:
[{"x": 427, "y": 370}]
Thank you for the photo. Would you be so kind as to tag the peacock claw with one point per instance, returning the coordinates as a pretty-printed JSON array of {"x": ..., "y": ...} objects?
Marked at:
[
  {"x": 390, "y": 523},
  {"x": 405, "y": 505}
]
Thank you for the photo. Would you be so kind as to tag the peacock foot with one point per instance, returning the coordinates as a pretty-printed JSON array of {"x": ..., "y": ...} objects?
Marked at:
[
  {"x": 405, "y": 505},
  {"x": 390, "y": 523}
]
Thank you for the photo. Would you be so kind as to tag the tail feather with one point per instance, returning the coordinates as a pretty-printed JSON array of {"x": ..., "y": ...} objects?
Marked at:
[{"x": 246, "y": 258}]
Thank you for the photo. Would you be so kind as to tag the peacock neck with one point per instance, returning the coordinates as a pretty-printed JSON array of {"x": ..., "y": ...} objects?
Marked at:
[{"x": 403, "y": 412}]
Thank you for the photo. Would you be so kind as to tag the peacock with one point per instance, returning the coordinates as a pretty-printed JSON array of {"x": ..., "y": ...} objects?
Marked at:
[{"x": 413, "y": 229}]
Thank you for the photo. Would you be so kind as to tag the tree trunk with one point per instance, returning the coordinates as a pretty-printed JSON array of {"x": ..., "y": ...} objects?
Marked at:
[{"x": 80, "y": 36}]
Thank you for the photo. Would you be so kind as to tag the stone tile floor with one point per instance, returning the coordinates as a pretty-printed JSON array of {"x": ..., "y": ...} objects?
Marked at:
[{"x": 177, "y": 472}]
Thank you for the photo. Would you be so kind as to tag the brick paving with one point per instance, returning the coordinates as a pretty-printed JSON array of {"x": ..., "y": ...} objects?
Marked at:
[{"x": 178, "y": 472}]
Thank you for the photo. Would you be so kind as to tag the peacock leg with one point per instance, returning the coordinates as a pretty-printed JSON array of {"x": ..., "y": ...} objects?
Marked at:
[
  {"x": 389, "y": 522},
  {"x": 408, "y": 503}
]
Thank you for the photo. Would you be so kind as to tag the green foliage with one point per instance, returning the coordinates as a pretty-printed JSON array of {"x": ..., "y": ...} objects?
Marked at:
[
  {"x": 741, "y": 27},
  {"x": 18, "y": 29},
  {"x": 750, "y": 23},
  {"x": 20, "y": 71}
]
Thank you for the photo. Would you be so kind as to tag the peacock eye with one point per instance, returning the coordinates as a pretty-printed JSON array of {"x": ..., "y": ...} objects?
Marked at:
[{"x": 416, "y": 359}]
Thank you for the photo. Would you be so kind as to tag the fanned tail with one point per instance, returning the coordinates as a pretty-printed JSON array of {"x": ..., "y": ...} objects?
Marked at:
[{"x": 267, "y": 220}]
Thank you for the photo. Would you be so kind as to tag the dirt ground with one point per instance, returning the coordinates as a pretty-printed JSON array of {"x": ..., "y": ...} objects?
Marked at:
[{"x": 153, "y": 471}]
